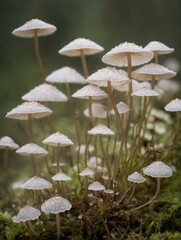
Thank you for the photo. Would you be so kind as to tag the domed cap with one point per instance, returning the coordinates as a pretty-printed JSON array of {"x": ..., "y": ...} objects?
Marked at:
[
  {"x": 94, "y": 161},
  {"x": 98, "y": 111},
  {"x": 56, "y": 205},
  {"x": 36, "y": 183},
  {"x": 118, "y": 55},
  {"x": 73, "y": 48},
  {"x": 174, "y": 106},
  {"x": 122, "y": 108},
  {"x": 158, "y": 47},
  {"x": 145, "y": 92},
  {"x": 61, "y": 177},
  {"x": 136, "y": 178},
  {"x": 34, "y": 109},
  {"x": 158, "y": 169},
  {"x": 45, "y": 93},
  {"x": 56, "y": 139},
  {"x": 31, "y": 149},
  {"x": 90, "y": 91},
  {"x": 100, "y": 129},
  {"x": 27, "y": 214},
  {"x": 147, "y": 71},
  {"x": 86, "y": 172},
  {"x": 7, "y": 142},
  {"x": 28, "y": 29},
  {"x": 66, "y": 75},
  {"x": 96, "y": 186},
  {"x": 102, "y": 76}
]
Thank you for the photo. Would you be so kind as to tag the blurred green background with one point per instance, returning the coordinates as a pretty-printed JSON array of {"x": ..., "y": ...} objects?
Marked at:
[{"x": 107, "y": 22}]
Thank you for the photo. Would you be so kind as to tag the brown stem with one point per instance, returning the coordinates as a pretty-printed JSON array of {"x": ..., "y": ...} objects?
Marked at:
[
  {"x": 58, "y": 225},
  {"x": 37, "y": 53},
  {"x": 32, "y": 228},
  {"x": 31, "y": 139},
  {"x": 84, "y": 63}
]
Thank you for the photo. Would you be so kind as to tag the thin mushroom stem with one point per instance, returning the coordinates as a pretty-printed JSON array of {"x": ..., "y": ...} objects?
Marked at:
[
  {"x": 32, "y": 228},
  {"x": 37, "y": 53},
  {"x": 49, "y": 119},
  {"x": 58, "y": 157},
  {"x": 152, "y": 199},
  {"x": 156, "y": 57},
  {"x": 31, "y": 139},
  {"x": 90, "y": 111},
  {"x": 58, "y": 225},
  {"x": 84, "y": 63}
]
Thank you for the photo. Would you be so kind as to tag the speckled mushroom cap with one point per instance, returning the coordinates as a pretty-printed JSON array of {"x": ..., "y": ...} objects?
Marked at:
[
  {"x": 174, "y": 106},
  {"x": 117, "y": 56},
  {"x": 136, "y": 178},
  {"x": 36, "y": 183},
  {"x": 34, "y": 109},
  {"x": 56, "y": 205},
  {"x": 90, "y": 91},
  {"x": 100, "y": 129},
  {"x": 73, "y": 48},
  {"x": 28, "y": 29},
  {"x": 45, "y": 93},
  {"x": 111, "y": 74},
  {"x": 56, "y": 139},
  {"x": 7, "y": 142},
  {"x": 122, "y": 108},
  {"x": 145, "y": 92},
  {"x": 125, "y": 87},
  {"x": 98, "y": 111},
  {"x": 86, "y": 172},
  {"x": 31, "y": 149},
  {"x": 27, "y": 213},
  {"x": 66, "y": 75},
  {"x": 60, "y": 176},
  {"x": 96, "y": 186},
  {"x": 158, "y": 169},
  {"x": 147, "y": 71},
  {"x": 158, "y": 47}
]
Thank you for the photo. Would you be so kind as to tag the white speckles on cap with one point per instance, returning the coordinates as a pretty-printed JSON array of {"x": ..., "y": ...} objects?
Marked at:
[
  {"x": 36, "y": 183},
  {"x": 158, "y": 169},
  {"x": 31, "y": 149},
  {"x": 56, "y": 139},
  {"x": 26, "y": 214},
  {"x": 96, "y": 186},
  {"x": 136, "y": 178},
  {"x": 100, "y": 129}
]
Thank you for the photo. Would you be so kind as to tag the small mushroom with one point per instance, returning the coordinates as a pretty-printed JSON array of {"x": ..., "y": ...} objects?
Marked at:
[{"x": 56, "y": 205}]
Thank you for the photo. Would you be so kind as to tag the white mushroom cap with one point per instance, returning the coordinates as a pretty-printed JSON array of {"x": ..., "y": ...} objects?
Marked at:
[
  {"x": 34, "y": 109},
  {"x": 109, "y": 191},
  {"x": 117, "y": 56},
  {"x": 7, "y": 142},
  {"x": 125, "y": 87},
  {"x": 61, "y": 177},
  {"x": 31, "y": 149},
  {"x": 45, "y": 93},
  {"x": 83, "y": 148},
  {"x": 158, "y": 169},
  {"x": 174, "y": 106},
  {"x": 96, "y": 186},
  {"x": 98, "y": 111},
  {"x": 66, "y": 75},
  {"x": 90, "y": 91},
  {"x": 100, "y": 129},
  {"x": 152, "y": 69},
  {"x": 102, "y": 76},
  {"x": 36, "y": 183},
  {"x": 136, "y": 178},
  {"x": 86, "y": 172},
  {"x": 73, "y": 48},
  {"x": 121, "y": 107},
  {"x": 158, "y": 47},
  {"x": 94, "y": 161},
  {"x": 56, "y": 139},
  {"x": 27, "y": 213},
  {"x": 56, "y": 205},
  {"x": 28, "y": 29},
  {"x": 145, "y": 92}
]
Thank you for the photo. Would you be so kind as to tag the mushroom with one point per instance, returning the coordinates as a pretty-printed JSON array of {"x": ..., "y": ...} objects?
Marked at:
[
  {"x": 98, "y": 111},
  {"x": 158, "y": 48},
  {"x": 27, "y": 214},
  {"x": 32, "y": 150},
  {"x": 79, "y": 48},
  {"x": 86, "y": 173},
  {"x": 158, "y": 170},
  {"x": 56, "y": 205},
  {"x": 33, "y": 29},
  {"x": 58, "y": 140},
  {"x": 7, "y": 143},
  {"x": 96, "y": 187},
  {"x": 27, "y": 111},
  {"x": 61, "y": 177}
]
